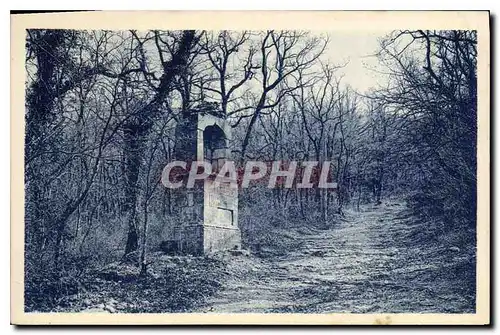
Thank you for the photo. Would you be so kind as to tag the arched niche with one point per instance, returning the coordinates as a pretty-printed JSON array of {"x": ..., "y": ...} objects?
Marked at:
[{"x": 215, "y": 146}]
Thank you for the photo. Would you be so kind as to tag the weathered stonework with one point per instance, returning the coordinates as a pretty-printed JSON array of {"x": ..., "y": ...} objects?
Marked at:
[{"x": 207, "y": 216}]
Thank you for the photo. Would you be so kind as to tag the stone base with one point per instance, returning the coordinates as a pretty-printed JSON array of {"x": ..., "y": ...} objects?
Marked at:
[
  {"x": 204, "y": 239},
  {"x": 216, "y": 238}
]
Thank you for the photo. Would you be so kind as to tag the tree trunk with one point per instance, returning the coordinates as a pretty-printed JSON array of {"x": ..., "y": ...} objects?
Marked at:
[
  {"x": 132, "y": 151},
  {"x": 144, "y": 237},
  {"x": 132, "y": 235}
]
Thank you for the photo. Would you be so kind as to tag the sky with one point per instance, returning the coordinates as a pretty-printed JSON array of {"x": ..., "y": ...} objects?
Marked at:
[{"x": 356, "y": 48}]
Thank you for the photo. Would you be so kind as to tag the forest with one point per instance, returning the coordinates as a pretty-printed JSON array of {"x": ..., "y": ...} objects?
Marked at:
[{"x": 101, "y": 110}]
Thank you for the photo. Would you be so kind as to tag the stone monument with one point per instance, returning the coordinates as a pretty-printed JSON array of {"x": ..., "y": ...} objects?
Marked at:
[{"x": 206, "y": 216}]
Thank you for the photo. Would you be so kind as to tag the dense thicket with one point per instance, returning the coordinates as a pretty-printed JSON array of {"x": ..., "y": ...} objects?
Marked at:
[
  {"x": 432, "y": 101},
  {"x": 102, "y": 106}
]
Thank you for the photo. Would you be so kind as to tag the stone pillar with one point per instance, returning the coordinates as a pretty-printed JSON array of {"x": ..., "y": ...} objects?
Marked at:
[{"x": 206, "y": 216}]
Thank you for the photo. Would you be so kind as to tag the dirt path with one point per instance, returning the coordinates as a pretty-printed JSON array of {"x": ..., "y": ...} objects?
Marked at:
[{"x": 364, "y": 264}]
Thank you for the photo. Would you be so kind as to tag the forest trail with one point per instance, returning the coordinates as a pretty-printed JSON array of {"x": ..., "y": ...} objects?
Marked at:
[{"x": 374, "y": 261}]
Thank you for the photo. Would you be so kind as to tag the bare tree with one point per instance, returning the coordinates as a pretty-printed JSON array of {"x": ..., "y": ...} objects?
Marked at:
[
  {"x": 142, "y": 118},
  {"x": 230, "y": 70},
  {"x": 281, "y": 55}
]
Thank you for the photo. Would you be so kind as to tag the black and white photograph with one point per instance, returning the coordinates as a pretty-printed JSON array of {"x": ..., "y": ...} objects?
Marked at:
[{"x": 253, "y": 171}]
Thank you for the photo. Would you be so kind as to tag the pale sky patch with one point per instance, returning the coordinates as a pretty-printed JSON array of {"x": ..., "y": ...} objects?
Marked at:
[{"x": 357, "y": 49}]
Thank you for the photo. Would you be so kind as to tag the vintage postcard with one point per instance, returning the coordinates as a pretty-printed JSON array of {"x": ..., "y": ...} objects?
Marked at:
[{"x": 250, "y": 168}]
